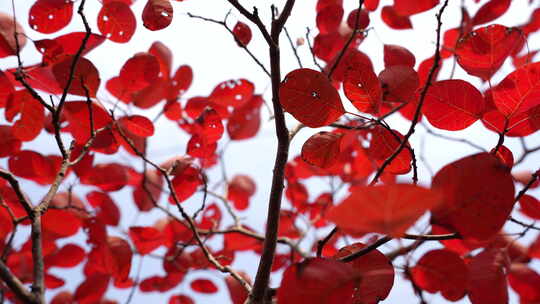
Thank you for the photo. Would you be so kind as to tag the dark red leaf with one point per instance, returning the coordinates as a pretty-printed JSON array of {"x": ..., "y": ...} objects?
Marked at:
[
  {"x": 393, "y": 20},
  {"x": 322, "y": 149},
  {"x": 180, "y": 299},
  {"x": 157, "y": 14},
  {"x": 242, "y": 33},
  {"x": 363, "y": 19},
  {"x": 399, "y": 83},
  {"x": 310, "y": 98},
  {"x": 245, "y": 121},
  {"x": 398, "y": 55},
  {"x": 9, "y": 144}
]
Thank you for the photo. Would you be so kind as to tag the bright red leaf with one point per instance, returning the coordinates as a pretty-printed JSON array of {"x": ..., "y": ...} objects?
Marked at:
[
  {"x": 49, "y": 16},
  {"x": 408, "y": 8},
  {"x": 85, "y": 80},
  {"x": 116, "y": 21},
  {"x": 394, "y": 20},
  {"x": 482, "y": 52},
  {"x": 487, "y": 279},
  {"x": 453, "y": 104},
  {"x": 363, "y": 88},
  {"x": 137, "y": 125},
  {"x": 519, "y": 91}
]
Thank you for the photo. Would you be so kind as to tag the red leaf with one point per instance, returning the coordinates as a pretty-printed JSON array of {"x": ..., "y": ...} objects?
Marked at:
[
  {"x": 487, "y": 278},
  {"x": 186, "y": 182},
  {"x": 310, "y": 98},
  {"x": 146, "y": 239},
  {"x": 322, "y": 149},
  {"x": 376, "y": 271},
  {"x": 530, "y": 206},
  {"x": 363, "y": 88},
  {"x": 106, "y": 209},
  {"x": 180, "y": 299},
  {"x": 398, "y": 55},
  {"x": 67, "y": 44},
  {"x": 308, "y": 282},
  {"x": 525, "y": 282},
  {"x": 363, "y": 19},
  {"x": 408, "y": 8},
  {"x": 371, "y": 5},
  {"x": 137, "y": 125},
  {"x": 388, "y": 209},
  {"x": 181, "y": 81},
  {"x": 139, "y": 71},
  {"x": 245, "y": 121},
  {"x": 92, "y": 289},
  {"x": 383, "y": 144},
  {"x": 32, "y": 165},
  {"x": 77, "y": 115},
  {"x": 8, "y": 45},
  {"x": 242, "y": 33},
  {"x": 471, "y": 206},
  {"x": 117, "y": 258},
  {"x": 519, "y": 91},
  {"x": 116, "y": 21},
  {"x": 107, "y": 177},
  {"x": 239, "y": 191},
  {"x": 9, "y": 144},
  {"x": 157, "y": 14},
  {"x": 482, "y": 52},
  {"x": 203, "y": 286},
  {"x": 234, "y": 93},
  {"x": 6, "y": 88},
  {"x": 237, "y": 292},
  {"x": 32, "y": 116},
  {"x": 393, "y": 20},
  {"x": 442, "y": 270},
  {"x": 399, "y": 83},
  {"x": 164, "y": 56},
  {"x": 491, "y": 11},
  {"x": 70, "y": 255},
  {"x": 85, "y": 78},
  {"x": 68, "y": 226},
  {"x": 329, "y": 18},
  {"x": 453, "y": 104},
  {"x": 49, "y": 16}
]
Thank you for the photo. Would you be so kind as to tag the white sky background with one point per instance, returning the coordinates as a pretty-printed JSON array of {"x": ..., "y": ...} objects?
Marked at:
[{"x": 215, "y": 57}]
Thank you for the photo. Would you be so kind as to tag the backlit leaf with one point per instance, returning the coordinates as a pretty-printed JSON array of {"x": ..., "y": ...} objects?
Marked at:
[
  {"x": 388, "y": 209},
  {"x": 310, "y": 98}
]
